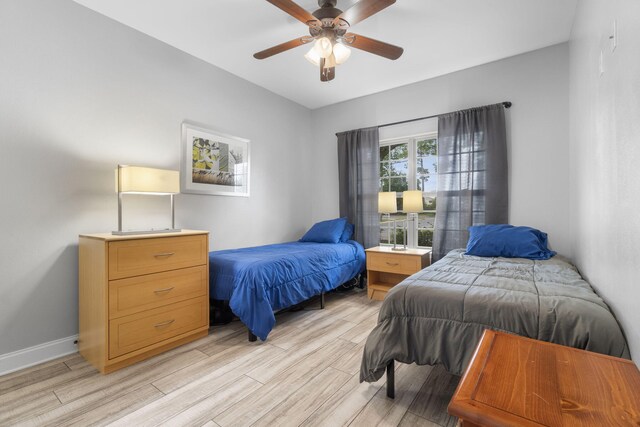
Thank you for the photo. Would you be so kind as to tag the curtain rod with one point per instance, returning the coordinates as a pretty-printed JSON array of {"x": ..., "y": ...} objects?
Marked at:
[{"x": 506, "y": 104}]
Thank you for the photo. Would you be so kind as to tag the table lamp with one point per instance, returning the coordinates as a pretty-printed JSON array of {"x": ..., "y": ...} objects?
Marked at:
[
  {"x": 387, "y": 204},
  {"x": 412, "y": 203},
  {"x": 146, "y": 181}
]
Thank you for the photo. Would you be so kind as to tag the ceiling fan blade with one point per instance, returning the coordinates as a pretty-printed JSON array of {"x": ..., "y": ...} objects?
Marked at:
[
  {"x": 282, "y": 47},
  {"x": 373, "y": 46},
  {"x": 362, "y": 10},
  {"x": 296, "y": 11}
]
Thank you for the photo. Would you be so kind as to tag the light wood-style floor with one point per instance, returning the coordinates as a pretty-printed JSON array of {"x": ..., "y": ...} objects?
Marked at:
[{"x": 306, "y": 373}]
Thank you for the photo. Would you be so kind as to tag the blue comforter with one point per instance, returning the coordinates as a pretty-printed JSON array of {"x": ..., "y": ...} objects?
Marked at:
[{"x": 257, "y": 281}]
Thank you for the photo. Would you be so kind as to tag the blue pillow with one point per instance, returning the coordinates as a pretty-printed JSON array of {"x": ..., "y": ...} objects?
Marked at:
[
  {"x": 328, "y": 231},
  {"x": 503, "y": 240},
  {"x": 347, "y": 233}
]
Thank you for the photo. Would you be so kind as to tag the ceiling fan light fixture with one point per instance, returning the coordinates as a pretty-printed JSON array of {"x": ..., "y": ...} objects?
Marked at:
[
  {"x": 341, "y": 53},
  {"x": 313, "y": 57},
  {"x": 330, "y": 61},
  {"x": 323, "y": 47},
  {"x": 329, "y": 27}
]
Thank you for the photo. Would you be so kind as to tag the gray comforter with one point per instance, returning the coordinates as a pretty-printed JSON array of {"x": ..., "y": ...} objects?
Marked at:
[{"x": 437, "y": 315}]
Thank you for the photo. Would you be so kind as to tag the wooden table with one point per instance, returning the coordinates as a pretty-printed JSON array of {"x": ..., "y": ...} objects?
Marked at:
[{"x": 515, "y": 381}]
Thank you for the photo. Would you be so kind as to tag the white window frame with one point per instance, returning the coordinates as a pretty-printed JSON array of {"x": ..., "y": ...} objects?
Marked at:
[{"x": 412, "y": 176}]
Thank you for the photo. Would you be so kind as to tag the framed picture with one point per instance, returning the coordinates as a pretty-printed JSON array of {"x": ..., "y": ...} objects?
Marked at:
[{"x": 213, "y": 163}]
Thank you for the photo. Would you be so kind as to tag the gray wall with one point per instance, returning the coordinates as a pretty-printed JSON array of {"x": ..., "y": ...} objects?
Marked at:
[
  {"x": 605, "y": 149},
  {"x": 537, "y": 84},
  {"x": 79, "y": 94}
]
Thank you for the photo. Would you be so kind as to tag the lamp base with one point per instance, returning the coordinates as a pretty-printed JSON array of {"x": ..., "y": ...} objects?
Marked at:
[{"x": 127, "y": 233}]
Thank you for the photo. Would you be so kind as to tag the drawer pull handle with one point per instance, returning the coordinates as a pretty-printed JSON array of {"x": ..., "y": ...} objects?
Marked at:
[
  {"x": 392, "y": 263},
  {"x": 168, "y": 322},
  {"x": 159, "y": 291},
  {"x": 164, "y": 254}
]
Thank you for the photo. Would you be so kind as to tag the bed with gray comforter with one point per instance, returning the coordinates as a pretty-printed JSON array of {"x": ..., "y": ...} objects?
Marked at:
[{"x": 437, "y": 315}]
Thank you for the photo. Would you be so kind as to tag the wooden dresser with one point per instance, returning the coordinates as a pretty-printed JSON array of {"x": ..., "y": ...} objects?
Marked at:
[
  {"x": 386, "y": 268},
  {"x": 140, "y": 295},
  {"x": 516, "y": 381}
]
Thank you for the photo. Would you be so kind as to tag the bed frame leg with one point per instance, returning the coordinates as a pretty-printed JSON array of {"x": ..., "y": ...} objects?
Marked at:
[
  {"x": 321, "y": 300},
  {"x": 252, "y": 337},
  {"x": 391, "y": 388}
]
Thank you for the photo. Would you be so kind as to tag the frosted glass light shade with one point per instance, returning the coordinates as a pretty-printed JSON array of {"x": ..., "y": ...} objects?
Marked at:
[
  {"x": 323, "y": 47},
  {"x": 313, "y": 57},
  {"x": 387, "y": 202},
  {"x": 412, "y": 201},
  {"x": 341, "y": 52},
  {"x": 137, "y": 179}
]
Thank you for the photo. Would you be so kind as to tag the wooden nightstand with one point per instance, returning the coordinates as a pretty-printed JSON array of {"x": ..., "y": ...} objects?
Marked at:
[
  {"x": 140, "y": 295},
  {"x": 386, "y": 268},
  {"x": 516, "y": 381}
]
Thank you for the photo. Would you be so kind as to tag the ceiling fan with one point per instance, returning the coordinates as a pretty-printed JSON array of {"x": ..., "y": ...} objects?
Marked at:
[{"x": 328, "y": 26}]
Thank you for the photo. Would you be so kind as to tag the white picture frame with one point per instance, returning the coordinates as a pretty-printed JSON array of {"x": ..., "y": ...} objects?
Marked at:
[{"x": 214, "y": 163}]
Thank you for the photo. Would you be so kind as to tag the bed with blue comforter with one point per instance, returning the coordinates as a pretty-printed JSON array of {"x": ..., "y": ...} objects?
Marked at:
[{"x": 260, "y": 280}]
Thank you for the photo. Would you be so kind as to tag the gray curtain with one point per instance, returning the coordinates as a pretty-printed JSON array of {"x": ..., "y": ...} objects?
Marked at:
[
  {"x": 359, "y": 176},
  {"x": 473, "y": 184}
]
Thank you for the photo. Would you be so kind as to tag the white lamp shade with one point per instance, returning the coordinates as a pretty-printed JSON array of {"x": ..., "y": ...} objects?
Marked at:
[
  {"x": 387, "y": 202},
  {"x": 137, "y": 179},
  {"x": 341, "y": 52},
  {"x": 323, "y": 47},
  {"x": 412, "y": 201},
  {"x": 313, "y": 57}
]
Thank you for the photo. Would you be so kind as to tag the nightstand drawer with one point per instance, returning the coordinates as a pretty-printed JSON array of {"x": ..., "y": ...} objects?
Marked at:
[
  {"x": 393, "y": 263},
  {"x": 145, "y": 256},
  {"x": 130, "y": 333},
  {"x": 129, "y": 296}
]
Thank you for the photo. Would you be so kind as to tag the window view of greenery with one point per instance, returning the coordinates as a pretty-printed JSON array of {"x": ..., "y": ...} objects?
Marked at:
[
  {"x": 409, "y": 164},
  {"x": 394, "y": 169},
  {"x": 426, "y": 180}
]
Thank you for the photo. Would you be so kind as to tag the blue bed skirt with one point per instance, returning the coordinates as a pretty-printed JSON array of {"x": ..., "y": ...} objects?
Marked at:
[{"x": 260, "y": 280}]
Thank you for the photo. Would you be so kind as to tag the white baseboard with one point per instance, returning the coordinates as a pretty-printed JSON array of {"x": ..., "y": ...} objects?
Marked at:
[{"x": 40, "y": 353}]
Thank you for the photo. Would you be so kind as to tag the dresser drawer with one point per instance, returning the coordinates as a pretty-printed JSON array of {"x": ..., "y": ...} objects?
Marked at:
[
  {"x": 145, "y": 256},
  {"x": 129, "y": 296},
  {"x": 130, "y": 333},
  {"x": 392, "y": 263}
]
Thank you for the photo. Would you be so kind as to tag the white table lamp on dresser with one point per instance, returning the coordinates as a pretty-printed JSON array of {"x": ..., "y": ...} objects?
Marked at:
[{"x": 146, "y": 181}]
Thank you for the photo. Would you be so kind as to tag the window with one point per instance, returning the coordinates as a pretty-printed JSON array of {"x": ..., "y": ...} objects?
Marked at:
[{"x": 410, "y": 164}]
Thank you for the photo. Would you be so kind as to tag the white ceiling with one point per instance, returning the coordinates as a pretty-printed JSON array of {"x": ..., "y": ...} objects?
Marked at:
[{"x": 438, "y": 37}]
